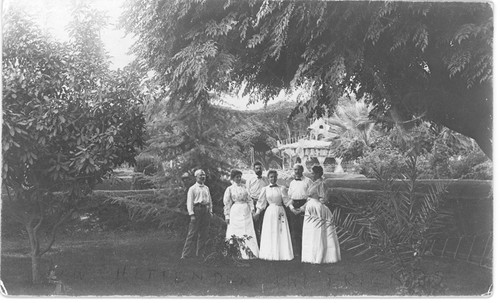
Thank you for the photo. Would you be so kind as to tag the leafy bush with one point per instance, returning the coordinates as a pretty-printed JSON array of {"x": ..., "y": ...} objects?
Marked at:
[
  {"x": 223, "y": 251},
  {"x": 132, "y": 210},
  {"x": 442, "y": 154},
  {"x": 443, "y": 162},
  {"x": 474, "y": 165},
  {"x": 384, "y": 160},
  {"x": 352, "y": 150},
  {"x": 147, "y": 165},
  {"x": 145, "y": 169},
  {"x": 114, "y": 184}
]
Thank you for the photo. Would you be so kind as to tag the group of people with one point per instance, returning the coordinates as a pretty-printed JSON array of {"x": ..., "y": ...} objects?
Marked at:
[{"x": 281, "y": 223}]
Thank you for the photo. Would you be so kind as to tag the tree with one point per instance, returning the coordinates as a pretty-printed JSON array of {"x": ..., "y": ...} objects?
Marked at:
[
  {"x": 67, "y": 122},
  {"x": 409, "y": 59},
  {"x": 189, "y": 136},
  {"x": 200, "y": 133}
]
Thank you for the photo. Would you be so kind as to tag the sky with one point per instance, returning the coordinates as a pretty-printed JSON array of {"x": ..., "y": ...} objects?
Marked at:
[{"x": 54, "y": 15}]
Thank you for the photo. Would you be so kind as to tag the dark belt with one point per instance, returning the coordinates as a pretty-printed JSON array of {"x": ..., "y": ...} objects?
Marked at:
[
  {"x": 298, "y": 203},
  {"x": 200, "y": 205}
]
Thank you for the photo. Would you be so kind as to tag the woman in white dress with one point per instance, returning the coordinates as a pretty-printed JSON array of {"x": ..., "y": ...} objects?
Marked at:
[
  {"x": 275, "y": 241},
  {"x": 238, "y": 210},
  {"x": 319, "y": 239}
]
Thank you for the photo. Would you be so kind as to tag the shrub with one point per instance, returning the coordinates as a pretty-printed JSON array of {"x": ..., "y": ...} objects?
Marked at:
[
  {"x": 145, "y": 169},
  {"x": 115, "y": 184},
  {"x": 146, "y": 164},
  {"x": 223, "y": 251},
  {"x": 474, "y": 165},
  {"x": 384, "y": 159},
  {"x": 396, "y": 228},
  {"x": 442, "y": 154},
  {"x": 353, "y": 151}
]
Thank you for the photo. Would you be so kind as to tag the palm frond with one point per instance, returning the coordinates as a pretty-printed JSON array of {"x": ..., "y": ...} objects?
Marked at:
[{"x": 396, "y": 226}]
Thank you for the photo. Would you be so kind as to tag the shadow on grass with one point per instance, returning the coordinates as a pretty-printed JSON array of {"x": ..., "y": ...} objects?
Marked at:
[{"x": 147, "y": 264}]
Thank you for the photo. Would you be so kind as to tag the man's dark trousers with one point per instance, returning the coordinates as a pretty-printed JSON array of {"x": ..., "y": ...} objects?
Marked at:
[
  {"x": 198, "y": 232},
  {"x": 258, "y": 223},
  {"x": 296, "y": 224}
]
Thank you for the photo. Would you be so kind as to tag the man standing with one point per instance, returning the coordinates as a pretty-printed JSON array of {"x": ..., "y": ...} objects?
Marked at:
[
  {"x": 254, "y": 187},
  {"x": 199, "y": 207},
  {"x": 297, "y": 191}
]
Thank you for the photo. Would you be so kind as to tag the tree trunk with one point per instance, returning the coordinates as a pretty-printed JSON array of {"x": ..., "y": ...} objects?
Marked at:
[
  {"x": 36, "y": 277},
  {"x": 36, "y": 251},
  {"x": 35, "y": 254},
  {"x": 449, "y": 102}
]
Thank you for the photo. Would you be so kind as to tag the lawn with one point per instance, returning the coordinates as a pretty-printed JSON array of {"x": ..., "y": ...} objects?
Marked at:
[{"x": 147, "y": 264}]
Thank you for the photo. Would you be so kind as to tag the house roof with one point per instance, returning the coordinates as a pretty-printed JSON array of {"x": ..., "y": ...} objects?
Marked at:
[{"x": 307, "y": 144}]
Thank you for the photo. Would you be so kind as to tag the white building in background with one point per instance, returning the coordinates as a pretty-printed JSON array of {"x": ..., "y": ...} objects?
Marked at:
[
  {"x": 319, "y": 130},
  {"x": 315, "y": 145}
]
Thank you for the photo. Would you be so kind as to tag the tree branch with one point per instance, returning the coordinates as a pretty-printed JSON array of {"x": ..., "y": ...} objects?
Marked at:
[
  {"x": 32, "y": 237},
  {"x": 37, "y": 226}
]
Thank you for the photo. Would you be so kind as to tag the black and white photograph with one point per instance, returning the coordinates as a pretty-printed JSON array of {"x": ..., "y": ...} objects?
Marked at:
[{"x": 247, "y": 149}]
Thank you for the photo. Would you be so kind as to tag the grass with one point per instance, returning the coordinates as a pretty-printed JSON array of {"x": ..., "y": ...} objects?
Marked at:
[{"x": 147, "y": 264}]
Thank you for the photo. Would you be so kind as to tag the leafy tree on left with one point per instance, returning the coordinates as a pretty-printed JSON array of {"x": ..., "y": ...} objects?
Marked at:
[{"x": 68, "y": 120}]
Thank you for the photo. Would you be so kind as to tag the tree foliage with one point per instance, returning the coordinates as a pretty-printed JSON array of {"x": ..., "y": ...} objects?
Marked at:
[
  {"x": 67, "y": 121},
  {"x": 213, "y": 137},
  {"x": 353, "y": 129},
  {"x": 425, "y": 59},
  {"x": 261, "y": 129},
  {"x": 442, "y": 154}
]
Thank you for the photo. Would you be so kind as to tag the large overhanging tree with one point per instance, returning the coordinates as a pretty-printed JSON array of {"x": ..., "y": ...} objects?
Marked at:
[
  {"x": 409, "y": 59},
  {"x": 67, "y": 122}
]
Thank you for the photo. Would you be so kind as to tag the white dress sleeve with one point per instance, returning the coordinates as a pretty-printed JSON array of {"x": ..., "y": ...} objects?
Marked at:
[
  {"x": 262, "y": 202},
  {"x": 228, "y": 202}
]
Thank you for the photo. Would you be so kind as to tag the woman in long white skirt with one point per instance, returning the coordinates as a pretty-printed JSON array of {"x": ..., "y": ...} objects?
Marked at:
[
  {"x": 275, "y": 241},
  {"x": 320, "y": 243},
  {"x": 239, "y": 210}
]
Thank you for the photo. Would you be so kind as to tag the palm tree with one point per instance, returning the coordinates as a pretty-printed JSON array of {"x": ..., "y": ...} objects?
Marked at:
[
  {"x": 396, "y": 227},
  {"x": 351, "y": 120},
  {"x": 352, "y": 127}
]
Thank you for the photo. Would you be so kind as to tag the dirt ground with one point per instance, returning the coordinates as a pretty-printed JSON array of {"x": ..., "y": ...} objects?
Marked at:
[{"x": 148, "y": 264}]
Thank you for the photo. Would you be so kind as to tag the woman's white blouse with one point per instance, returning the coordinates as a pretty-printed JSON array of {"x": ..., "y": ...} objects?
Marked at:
[
  {"x": 236, "y": 193},
  {"x": 272, "y": 195},
  {"x": 317, "y": 190}
]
